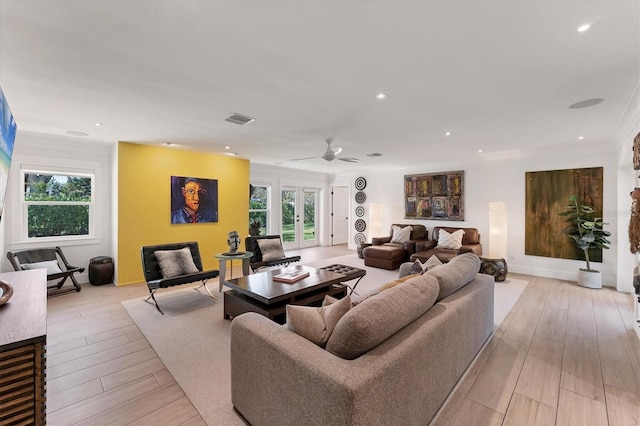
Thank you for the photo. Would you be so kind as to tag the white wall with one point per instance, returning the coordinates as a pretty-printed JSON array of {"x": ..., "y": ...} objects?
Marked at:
[
  {"x": 502, "y": 180},
  {"x": 47, "y": 150}
]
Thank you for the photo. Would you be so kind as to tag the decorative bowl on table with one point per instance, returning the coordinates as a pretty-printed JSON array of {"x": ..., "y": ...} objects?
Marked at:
[{"x": 6, "y": 291}]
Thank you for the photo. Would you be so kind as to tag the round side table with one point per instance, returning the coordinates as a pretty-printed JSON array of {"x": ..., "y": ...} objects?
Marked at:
[
  {"x": 360, "y": 247},
  {"x": 222, "y": 259}
]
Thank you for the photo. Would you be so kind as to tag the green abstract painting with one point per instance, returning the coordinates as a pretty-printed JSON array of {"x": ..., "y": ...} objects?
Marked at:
[{"x": 547, "y": 195}]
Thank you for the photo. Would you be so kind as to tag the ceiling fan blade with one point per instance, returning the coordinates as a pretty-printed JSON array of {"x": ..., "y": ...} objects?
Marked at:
[
  {"x": 349, "y": 159},
  {"x": 302, "y": 159}
]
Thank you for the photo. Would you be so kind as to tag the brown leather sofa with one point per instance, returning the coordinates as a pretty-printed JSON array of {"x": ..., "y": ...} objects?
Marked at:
[
  {"x": 426, "y": 249},
  {"x": 419, "y": 234},
  {"x": 387, "y": 255}
]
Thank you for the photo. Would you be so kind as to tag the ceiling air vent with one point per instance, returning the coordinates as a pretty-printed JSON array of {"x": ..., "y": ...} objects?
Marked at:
[{"x": 239, "y": 119}]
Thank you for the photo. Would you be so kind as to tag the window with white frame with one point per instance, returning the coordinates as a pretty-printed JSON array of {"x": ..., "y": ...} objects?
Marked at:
[
  {"x": 259, "y": 209},
  {"x": 57, "y": 204}
]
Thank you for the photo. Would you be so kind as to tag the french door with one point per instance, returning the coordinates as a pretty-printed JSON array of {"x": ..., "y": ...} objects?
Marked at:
[{"x": 299, "y": 217}]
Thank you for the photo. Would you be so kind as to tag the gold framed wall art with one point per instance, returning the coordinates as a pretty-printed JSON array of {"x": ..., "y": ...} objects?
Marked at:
[
  {"x": 546, "y": 196},
  {"x": 434, "y": 196}
]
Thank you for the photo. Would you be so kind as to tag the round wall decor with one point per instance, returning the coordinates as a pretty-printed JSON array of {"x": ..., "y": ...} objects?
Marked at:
[
  {"x": 360, "y": 225},
  {"x": 359, "y": 238},
  {"x": 361, "y": 197},
  {"x": 359, "y": 211},
  {"x": 361, "y": 183}
]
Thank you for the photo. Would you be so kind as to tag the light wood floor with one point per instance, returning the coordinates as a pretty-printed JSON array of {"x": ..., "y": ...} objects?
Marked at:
[{"x": 565, "y": 355}]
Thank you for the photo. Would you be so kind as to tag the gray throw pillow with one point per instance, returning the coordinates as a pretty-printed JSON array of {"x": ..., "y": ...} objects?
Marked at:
[
  {"x": 176, "y": 262},
  {"x": 317, "y": 324},
  {"x": 271, "y": 249},
  {"x": 421, "y": 268},
  {"x": 378, "y": 317},
  {"x": 460, "y": 271}
]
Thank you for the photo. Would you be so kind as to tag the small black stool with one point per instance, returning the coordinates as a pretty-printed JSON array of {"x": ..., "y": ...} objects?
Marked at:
[
  {"x": 350, "y": 273},
  {"x": 101, "y": 270}
]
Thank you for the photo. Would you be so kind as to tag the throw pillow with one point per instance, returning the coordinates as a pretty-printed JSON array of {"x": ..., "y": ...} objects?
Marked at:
[
  {"x": 396, "y": 282},
  {"x": 400, "y": 234},
  {"x": 451, "y": 241},
  {"x": 271, "y": 249},
  {"x": 50, "y": 265},
  {"x": 421, "y": 268},
  {"x": 379, "y": 317},
  {"x": 460, "y": 271},
  {"x": 176, "y": 262},
  {"x": 317, "y": 324}
]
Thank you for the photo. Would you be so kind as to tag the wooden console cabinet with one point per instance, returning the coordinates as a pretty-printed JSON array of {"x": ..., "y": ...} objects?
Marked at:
[{"x": 23, "y": 329}]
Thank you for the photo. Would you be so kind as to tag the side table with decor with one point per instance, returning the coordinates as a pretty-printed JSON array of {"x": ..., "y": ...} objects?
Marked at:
[
  {"x": 360, "y": 247},
  {"x": 495, "y": 267}
]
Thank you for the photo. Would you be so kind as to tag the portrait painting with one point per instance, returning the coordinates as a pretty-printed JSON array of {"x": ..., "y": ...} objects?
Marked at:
[
  {"x": 7, "y": 138},
  {"x": 546, "y": 196},
  {"x": 193, "y": 200},
  {"x": 434, "y": 196}
]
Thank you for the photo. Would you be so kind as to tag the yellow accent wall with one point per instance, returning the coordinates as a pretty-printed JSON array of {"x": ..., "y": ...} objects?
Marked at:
[{"x": 144, "y": 203}]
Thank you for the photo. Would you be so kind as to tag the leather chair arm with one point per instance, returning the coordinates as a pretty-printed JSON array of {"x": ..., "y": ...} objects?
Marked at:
[
  {"x": 425, "y": 245},
  {"x": 376, "y": 241},
  {"x": 471, "y": 248},
  {"x": 409, "y": 248}
]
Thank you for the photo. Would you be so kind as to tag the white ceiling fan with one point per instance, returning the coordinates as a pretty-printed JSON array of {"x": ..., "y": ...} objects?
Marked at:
[{"x": 330, "y": 154}]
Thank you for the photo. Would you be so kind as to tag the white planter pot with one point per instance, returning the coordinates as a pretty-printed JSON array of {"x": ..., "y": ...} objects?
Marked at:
[{"x": 590, "y": 279}]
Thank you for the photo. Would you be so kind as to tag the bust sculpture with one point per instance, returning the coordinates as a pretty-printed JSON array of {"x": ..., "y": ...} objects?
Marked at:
[{"x": 233, "y": 240}]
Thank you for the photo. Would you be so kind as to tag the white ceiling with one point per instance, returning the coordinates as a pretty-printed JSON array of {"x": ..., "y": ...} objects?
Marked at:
[{"x": 499, "y": 75}]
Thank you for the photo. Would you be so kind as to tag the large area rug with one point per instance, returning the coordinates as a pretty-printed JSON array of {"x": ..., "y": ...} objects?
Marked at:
[{"x": 192, "y": 338}]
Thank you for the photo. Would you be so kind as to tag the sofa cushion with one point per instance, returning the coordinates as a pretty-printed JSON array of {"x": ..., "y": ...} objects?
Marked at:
[
  {"x": 176, "y": 262},
  {"x": 401, "y": 234},
  {"x": 420, "y": 268},
  {"x": 451, "y": 241},
  {"x": 271, "y": 249},
  {"x": 378, "y": 317},
  {"x": 460, "y": 271},
  {"x": 317, "y": 323}
]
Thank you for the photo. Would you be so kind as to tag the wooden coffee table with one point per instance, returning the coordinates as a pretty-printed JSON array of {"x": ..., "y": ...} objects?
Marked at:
[{"x": 259, "y": 293}]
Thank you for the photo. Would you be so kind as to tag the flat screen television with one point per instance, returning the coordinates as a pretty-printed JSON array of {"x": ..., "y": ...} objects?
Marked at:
[{"x": 7, "y": 138}]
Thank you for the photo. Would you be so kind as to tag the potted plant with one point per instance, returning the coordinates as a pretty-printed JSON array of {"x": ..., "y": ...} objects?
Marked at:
[{"x": 587, "y": 231}]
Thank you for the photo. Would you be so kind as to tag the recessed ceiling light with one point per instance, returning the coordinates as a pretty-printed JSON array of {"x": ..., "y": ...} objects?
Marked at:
[
  {"x": 380, "y": 96},
  {"x": 97, "y": 124},
  {"x": 584, "y": 27},
  {"x": 480, "y": 151},
  {"x": 447, "y": 133},
  {"x": 74, "y": 133},
  {"x": 227, "y": 147},
  {"x": 580, "y": 138},
  {"x": 233, "y": 154}
]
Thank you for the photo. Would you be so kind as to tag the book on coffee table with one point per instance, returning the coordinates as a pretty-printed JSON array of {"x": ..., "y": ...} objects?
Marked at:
[{"x": 291, "y": 276}]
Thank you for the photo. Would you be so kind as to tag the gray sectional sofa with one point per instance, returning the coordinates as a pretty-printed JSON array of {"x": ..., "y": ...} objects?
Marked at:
[{"x": 280, "y": 378}]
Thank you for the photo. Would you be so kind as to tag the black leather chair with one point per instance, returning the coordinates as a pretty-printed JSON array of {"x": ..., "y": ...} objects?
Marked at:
[
  {"x": 24, "y": 259},
  {"x": 153, "y": 273},
  {"x": 252, "y": 244}
]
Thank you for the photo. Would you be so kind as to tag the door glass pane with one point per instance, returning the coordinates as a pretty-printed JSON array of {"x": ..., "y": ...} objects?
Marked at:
[
  {"x": 288, "y": 216},
  {"x": 309, "y": 215}
]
